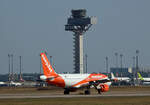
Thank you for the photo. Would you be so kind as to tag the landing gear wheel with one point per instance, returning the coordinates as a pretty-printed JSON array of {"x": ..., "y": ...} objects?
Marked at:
[
  {"x": 99, "y": 91},
  {"x": 87, "y": 92},
  {"x": 66, "y": 91}
]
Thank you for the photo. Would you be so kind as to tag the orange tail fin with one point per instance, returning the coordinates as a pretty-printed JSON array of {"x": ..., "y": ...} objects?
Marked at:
[{"x": 47, "y": 68}]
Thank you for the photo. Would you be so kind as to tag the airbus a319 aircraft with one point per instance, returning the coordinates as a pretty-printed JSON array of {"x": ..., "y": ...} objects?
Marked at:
[{"x": 73, "y": 82}]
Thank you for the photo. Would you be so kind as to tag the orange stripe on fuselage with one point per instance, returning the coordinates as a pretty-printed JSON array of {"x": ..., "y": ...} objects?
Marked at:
[
  {"x": 57, "y": 81},
  {"x": 91, "y": 77}
]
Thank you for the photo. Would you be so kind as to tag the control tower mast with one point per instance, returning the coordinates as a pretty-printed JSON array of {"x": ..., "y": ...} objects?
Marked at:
[{"x": 79, "y": 23}]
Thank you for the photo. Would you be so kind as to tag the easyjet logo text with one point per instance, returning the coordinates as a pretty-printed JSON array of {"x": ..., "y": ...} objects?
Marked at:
[{"x": 46, "y": 63}]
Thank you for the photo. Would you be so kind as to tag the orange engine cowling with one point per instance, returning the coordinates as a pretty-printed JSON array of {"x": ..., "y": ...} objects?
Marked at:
[{"x": 104, "y": 87}]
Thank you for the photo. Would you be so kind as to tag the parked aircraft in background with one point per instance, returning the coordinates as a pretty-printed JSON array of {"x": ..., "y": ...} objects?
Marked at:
[
  {"x": 2, "y": 84},
  {"x": 15, "y": 83},
  {"x": 73, "y": 82},
  {"x": 144, "y": 80},
  {"x": 120, "y": 79}
]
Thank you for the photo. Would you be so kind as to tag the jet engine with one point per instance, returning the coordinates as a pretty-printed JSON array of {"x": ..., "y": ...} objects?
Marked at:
[
  {"x": 104, "y": 87},
  {"x": 43, "y": 77}
]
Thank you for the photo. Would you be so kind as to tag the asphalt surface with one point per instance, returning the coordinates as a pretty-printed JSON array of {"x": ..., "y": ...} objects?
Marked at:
[{"x": 109, "y": 94}]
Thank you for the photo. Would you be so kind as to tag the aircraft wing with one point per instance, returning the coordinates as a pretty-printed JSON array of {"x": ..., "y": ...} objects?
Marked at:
[{"x": 99, "y": 81}]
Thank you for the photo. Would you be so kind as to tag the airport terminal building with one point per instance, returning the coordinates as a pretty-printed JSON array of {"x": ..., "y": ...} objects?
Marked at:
[{"x": 121, "y": 72}]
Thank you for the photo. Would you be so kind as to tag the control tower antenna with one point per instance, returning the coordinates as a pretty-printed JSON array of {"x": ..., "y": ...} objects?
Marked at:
[{"x": 79, "y": 23}]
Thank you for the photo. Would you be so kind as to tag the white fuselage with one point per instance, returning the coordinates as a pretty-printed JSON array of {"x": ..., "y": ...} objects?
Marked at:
[
  {"x": 77, "y": 80},
  {"x": 127, "y": 79},
  {"x": 146, "y": 79},
  {"x": 72, "y": 79}
]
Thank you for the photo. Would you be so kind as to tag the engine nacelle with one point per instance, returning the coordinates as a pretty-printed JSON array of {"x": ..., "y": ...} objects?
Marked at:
[
  {"x": 43, "y": 77},
  {"x": 104, "y": 87}
]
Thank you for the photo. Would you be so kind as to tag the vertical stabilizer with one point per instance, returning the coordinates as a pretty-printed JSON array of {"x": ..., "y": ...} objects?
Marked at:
[
  {"x": 139, "y": 75},
  {"x": 47, "y": 67},
  {"x": 112, "y": 76}
]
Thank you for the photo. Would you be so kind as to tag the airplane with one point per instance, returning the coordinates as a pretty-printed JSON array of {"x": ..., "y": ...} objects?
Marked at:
[
  {"x": 12, "y": 83},
  {"x": 73, "y": 82},
  {"x": 120, "y": 79},
  {"x": 2, "y": 84},
  {"x": 21, "y": 79},
  {"x": 145, "y": 80}
]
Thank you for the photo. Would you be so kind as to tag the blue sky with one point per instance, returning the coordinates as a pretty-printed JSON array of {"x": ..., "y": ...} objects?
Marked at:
[{"x": 29, "y": 26}]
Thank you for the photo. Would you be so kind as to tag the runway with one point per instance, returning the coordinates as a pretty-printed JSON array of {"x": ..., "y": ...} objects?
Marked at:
[
  {"x": 11, "y": 93},
  {"x": 6, "y": 96}
]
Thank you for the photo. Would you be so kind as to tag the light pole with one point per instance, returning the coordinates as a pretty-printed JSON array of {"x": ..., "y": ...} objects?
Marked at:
[
  {"x": 20, "y": 68},
  {"x": 51, "y": 59},
  {"x": 137, "y": 65},
  {"x": 121, "y": 55},
  {"x": 86, "y": 62},
  {"x": 116, "y": 54},
  {"x": 106, "y": 65},
  {"x": 12, "y": 72},
  {"x": 9, "y": 68}
]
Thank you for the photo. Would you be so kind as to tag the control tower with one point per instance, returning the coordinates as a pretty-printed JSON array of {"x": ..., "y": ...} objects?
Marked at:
[{"x": 79, "y": 23}]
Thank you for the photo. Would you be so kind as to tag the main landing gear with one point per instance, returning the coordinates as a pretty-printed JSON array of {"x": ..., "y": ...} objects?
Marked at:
[
  {"x": 99, "y": 91},
  {"x": 66, "y": 91},
  {"x": 87, "y": 92}
]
